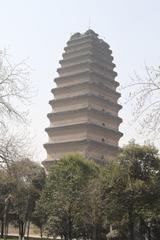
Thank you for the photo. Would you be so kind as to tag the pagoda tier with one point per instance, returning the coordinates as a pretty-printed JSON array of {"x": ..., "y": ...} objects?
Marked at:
[
  {"x": 90, "y": 149},
  {"x": 84, "y": 115},
  {"x": 86, "y": 88},
  {"x": 85, "y": 100}
]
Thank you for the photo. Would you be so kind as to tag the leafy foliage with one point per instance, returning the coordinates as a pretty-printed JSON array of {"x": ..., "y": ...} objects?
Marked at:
[{"x": 65, "y": 193}]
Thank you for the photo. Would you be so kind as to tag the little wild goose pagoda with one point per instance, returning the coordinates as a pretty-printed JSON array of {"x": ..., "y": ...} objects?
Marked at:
[{"x": 84, "y": 115}]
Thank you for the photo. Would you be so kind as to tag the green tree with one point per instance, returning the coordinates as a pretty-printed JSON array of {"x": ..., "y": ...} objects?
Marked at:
[
  {"x": 29, "y": 179},
  {"x": 20, "y": 188},
  {"x": 6, "y": 187},
  {"x": 39, "y": 217},
  {"x": 63, "y": 198},
  {"x": 94, "y": 209},
  {"x": 133, "y": 197}
]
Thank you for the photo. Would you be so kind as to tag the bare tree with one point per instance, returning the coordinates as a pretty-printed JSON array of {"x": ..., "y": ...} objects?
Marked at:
[
  {"x": 13, "y": 148},
  {"x": 144, "y": 94},
  {"x": 14, "y": 88}
]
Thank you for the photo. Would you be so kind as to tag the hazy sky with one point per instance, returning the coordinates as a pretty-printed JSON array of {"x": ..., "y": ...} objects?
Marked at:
[{"x": 39, "y": 30}]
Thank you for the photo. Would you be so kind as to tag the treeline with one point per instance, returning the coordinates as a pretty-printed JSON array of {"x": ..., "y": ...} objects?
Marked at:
[
  {"x": 121, "y": 200},
  {"x": 79, "y": 199}
]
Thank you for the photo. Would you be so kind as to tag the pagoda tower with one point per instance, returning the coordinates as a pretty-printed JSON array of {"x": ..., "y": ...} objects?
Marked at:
[{"x": 84, "y": 115}]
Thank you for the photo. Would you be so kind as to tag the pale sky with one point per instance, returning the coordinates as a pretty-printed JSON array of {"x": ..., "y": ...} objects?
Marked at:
[{"x": 39, "y": 29}]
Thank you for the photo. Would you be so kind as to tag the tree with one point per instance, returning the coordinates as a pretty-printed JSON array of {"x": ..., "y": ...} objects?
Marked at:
[
  {"x": 133, "y": 198},
  {"x": 14, "y": 88},
  {"x": 63, "y": 198},
  {"x": 39, "y": 217},
  {"x": 29, "y": 179},
  {"x": 13, "y": 148},
  {"x": 21, "y": 183},
  {"x": 19, "y": 201},
  {"x": 11, "y": 151},
  {"x": 144, "y": 95},
  {"x": 6, "y": 187},
  {"x": 94, "y": 218}
]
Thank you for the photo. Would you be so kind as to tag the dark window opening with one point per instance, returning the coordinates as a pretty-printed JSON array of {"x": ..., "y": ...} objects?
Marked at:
[{"x": 102, "y": 157}]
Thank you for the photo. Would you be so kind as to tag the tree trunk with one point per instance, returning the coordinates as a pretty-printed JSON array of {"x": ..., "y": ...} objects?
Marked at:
[
  {"x": 24, "y": 227},
  {"x": 99, "y": 232},
  {"x": 28, "y": 228},
  {"x": 149, "y": 233},
  {"x": 7, "y": 227},
  {"x": 21, "y": 230},
  {"x": 2, "y": 229},
  {"x": 5, "y": 219},
  {"x": 95, "y": 232},
  {"x": 41, "y": 231},
  {"x": 141, "y": 229},
  {"x": 131, "y": 225},
  {"x": 6, "y": 214},
  {"x": 69, "y": 228},
  {"x": 23, "y": 224},
  {"x": 65, "y": 237}
]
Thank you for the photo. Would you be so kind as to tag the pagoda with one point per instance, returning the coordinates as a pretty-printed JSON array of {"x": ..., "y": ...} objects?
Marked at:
[{"x": 85, "y": 107}]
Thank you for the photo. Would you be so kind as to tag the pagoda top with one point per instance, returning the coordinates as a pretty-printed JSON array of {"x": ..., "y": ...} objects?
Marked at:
[{"x": 90, "y": 33}]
